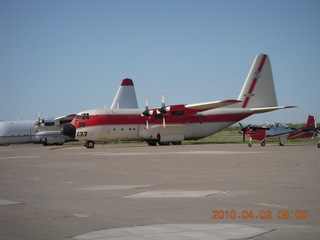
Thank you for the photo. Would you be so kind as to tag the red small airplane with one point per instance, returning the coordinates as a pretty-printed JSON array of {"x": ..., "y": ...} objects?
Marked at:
[
  {"x": 281, "y": 132},
  {"x": 175, "y": 123}
]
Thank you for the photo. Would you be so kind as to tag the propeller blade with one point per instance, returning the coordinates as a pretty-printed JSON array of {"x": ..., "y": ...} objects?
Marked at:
[
  {"x": 147, "y": 103},
  {"x": 162, "y": 100},
  {"x": 146, "y": 112},
  {"x": 244, "y": 130},
  {"x": 38, "y": 122},
  {"x": 163, "y": 121}
]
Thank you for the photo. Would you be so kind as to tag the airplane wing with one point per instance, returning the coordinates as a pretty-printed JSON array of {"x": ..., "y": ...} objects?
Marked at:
[
  {"x": 187, "y": 110},
  {"x": 269, "y": 109},
  {"x": 64, "y": 119},
  {"x": 211, "y": 105},
  {"x": 280, "y": 133}
]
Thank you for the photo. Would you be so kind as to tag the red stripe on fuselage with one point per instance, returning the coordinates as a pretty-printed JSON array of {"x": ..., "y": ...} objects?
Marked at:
[
  {"x": 112, "y": 119},
  {"x": 254, "y": 82}
]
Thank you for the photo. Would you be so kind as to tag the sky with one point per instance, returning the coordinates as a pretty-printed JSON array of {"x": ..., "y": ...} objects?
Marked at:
[{"x": 61, "y": 57}]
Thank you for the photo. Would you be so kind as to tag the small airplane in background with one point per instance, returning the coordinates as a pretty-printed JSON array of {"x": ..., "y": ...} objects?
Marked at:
[
  {"x": 280, "y": 131},
  {"x": 175, "y": 123},
  {"x": 47, "y": 132}
]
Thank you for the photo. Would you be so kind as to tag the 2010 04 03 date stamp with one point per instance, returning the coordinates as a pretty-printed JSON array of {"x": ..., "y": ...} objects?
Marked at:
[{"x": 262, "y": 214}]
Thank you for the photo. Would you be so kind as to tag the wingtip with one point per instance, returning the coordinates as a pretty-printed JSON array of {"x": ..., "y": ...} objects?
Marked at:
[{"x": 290, "y": 106}]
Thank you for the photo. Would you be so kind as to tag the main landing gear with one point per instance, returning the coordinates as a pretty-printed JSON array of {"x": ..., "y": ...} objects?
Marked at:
[
  {"x": 154, "y": 143},
  {"x": 89, "y": 144}
]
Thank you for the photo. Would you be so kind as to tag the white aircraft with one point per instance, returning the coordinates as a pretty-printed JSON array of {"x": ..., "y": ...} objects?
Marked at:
[
  {"x": 177, "y": 122},
  {"x": 47, "y": 132}
]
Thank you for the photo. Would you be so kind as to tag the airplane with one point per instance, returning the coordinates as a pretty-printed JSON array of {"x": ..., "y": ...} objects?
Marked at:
[
  {"x": 47, "y": 132},
  {"x": 175, "y": 123},
  {"x": 280, "y": 131}
]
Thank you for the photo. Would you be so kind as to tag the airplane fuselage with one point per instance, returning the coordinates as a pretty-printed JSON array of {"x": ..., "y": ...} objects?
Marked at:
[
  {"x": 13, "y": 132},
  {"x": 130, "y": 125}
]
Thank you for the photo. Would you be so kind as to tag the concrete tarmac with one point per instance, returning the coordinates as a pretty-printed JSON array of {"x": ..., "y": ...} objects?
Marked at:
[{"x": 133, "y": 191}]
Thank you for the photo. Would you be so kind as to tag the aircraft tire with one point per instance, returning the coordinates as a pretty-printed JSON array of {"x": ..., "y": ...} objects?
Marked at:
[
  {"x": 281, "y": 144},
  {"x": 89, "y": 144},
  {"x": 152, "y": 143},
  {"x": 163, "y": 143},
  {"x": 263, "y": 144},
  {"x": 318, "y": 145},
  {"x": 176, "y": 143},
  {"x": 249, "y": 144}
]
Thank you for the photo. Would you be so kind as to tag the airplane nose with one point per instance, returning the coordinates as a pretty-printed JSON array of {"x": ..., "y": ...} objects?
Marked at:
[{"x": 69, "y": 130}]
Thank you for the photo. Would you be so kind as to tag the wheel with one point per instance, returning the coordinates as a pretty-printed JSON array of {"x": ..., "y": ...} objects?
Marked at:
[
  {"x": 89, "y": 144},
  {"x": 152, "y": 143},
  {"x": 281, "y": 144},
  {"x": 176, "y": 143},
  {"x": 249, "y": 144},
  {"x": 263, "y": 143},
  {"x": 318, "y": 145},
  {"x": 164, "y": 143}
]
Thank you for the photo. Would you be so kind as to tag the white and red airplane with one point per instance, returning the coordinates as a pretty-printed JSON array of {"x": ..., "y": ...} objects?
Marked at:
[{"x": 175, "y": 123}]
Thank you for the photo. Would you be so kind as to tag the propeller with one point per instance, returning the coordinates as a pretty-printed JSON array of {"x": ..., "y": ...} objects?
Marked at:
[
  {"x": 38, "y": 122},
  {"x": 244, "y": 130},
  {"x": 147, "y": 113},
  {"x": 163, "y": 110}
]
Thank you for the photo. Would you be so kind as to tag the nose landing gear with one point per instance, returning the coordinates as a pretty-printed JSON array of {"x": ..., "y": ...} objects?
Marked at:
[{"x": 89, "y": 144}]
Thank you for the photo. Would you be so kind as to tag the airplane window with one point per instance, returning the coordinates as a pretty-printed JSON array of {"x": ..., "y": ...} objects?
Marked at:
[
  {"x": 177, "y": 113},
  {"x": 84, "y": 116}
]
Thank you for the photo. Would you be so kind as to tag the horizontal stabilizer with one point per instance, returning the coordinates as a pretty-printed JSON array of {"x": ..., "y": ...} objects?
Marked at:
[{"x": 211, "y": 105}]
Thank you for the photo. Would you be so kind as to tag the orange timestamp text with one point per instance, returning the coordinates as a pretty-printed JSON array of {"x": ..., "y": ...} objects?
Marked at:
[{"x": 262, "y": 214}]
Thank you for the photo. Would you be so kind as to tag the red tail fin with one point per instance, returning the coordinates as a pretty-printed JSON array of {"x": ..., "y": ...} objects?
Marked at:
[{"x": 311, "y": 123}]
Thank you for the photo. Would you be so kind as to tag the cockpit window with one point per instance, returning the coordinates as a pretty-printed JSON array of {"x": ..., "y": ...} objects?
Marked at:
[
  {"x": 83, "y": 116},
  {"x": 276, "y": 125}
]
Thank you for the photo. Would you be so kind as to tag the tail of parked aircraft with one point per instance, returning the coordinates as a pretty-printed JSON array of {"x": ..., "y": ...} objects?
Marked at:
[
  {"x": 258, "y": 90},
  {"x": 311, "y": 123},
  {"x": 126, "y": 96}
]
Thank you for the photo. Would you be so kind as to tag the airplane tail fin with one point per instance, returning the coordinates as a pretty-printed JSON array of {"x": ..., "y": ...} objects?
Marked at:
[
  {"x": 311, "y": 122},
  {"x": 258, "y": 90},
  {"x": 126, "y": 96}
]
